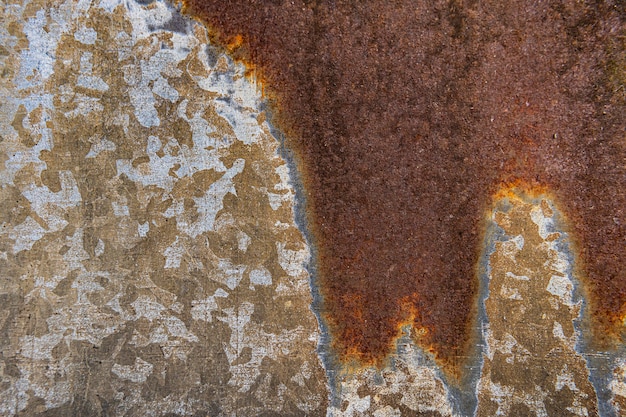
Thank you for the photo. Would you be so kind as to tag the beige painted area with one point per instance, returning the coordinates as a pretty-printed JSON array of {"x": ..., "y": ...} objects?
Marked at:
[{"x": 150, "y": 264}]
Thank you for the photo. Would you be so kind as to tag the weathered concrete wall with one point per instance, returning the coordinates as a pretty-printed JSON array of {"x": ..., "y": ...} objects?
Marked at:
[{"x": 151, "y": 263}]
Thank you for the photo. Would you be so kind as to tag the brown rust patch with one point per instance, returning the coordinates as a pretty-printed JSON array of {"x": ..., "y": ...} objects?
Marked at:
[{"x": 407, "y": 115}]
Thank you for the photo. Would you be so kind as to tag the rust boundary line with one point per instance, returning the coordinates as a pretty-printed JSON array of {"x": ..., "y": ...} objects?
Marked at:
[{"x": 407, "y": 117}]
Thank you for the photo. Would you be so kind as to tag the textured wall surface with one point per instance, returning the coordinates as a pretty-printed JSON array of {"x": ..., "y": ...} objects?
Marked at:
[{"x": 151, "y": 262}]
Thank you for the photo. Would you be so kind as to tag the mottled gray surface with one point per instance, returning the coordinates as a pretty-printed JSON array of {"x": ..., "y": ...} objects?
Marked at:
[{"x": 150, "y": 260}]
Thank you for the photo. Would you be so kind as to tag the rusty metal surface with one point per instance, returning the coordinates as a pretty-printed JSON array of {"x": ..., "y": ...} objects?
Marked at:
[
  {"x": 407, "y": 116},
  {"x": 155, "y": 256}
]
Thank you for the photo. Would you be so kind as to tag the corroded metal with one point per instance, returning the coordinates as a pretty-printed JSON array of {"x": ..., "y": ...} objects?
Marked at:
[
  {"x": 153, "y": 263},
  {"x": 406, "y": 117}
]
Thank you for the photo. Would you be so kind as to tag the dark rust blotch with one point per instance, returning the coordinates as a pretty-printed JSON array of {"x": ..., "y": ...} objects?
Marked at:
[{"x": 407, "y": 116}]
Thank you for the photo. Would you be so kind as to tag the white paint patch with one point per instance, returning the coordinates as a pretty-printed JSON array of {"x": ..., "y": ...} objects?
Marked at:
[
  {"x": 519, "y": 241},
  {"x": 176, "y": 328},
  {"x": 545, "y": 224},
  {"x": 143, "y": 229},
  {"x": 565, "y": 379},
  {"x": 86, "y": 35},
  {"x": 210, "y": 203},
  {"x": 85, "y": 283},
  {"x": 358, "y": 406},
  {"x": 510, "y": 293},
  {"x": 500, "y": 394},
  {"x": 618, "y": 383},
  {"x": 243, "y": 241},
  {"x": 292, "y": 261},
  {"x": 99, "y": 144},
  {"x": 26, "y": 234},
  {"x": 561, "y": 287},
  {"x": 37, "y": 61},
  {"x": 83, "y": 321},
  {"x": 260, "y": 276},
  {"x": 84, "y": 105},
  {"x": 240, "y": 108},
  {"x": 518, "y": 277},
  {"x": 99, "y": 249},
  {"x": 47, "y": 204},
  {"x": 142, "y": 18},
  {"x": 76, "y": 253},
  {"x": 120, "y": 209},
  {"x": 283, "y": 173},
  {"x": 154, "y": 172},
  {"x": 86, "y": 79},
  {"x": 237, "y": 321},
  {"x": 557, "y": 332},
  {"x": 228, "y": 274},
  {"x": 508, "y": 248},
  {"x": 145, "y": 306},
  {"x": 58, "y": 394},
  {"x": 277, "y": 200},
  {"x": 39, "y": 348},
  {"x": 577, "y": 408},
  {"x": 15, "y": 398},
  {"x": 174, "y": 254},
  {"x": 259, "y": 343},
  {"x": 387, "y": 411},
  {"x": 202, "y": 309},
  {"x": 153, "y": 81},
  {"x": 138, "y": 372},
  {"x": 200, "y": 131}
]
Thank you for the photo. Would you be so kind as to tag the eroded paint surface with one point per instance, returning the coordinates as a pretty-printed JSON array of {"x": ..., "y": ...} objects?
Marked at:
[{"x": 532, "y": 364}]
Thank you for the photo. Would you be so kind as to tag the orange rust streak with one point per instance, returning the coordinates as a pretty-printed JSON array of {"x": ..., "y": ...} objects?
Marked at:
[
  {"x": 408, "y": 116},
  {"x": 520, "y": 187}
]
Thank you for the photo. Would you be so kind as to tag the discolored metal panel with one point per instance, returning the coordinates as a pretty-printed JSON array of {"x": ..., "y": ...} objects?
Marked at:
[
  {"x": 151, "y": 264},
  {"x": 312, "y": 208},
  {"x": 407, "y": 116}
]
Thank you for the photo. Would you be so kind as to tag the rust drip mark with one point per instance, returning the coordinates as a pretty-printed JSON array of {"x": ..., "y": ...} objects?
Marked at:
[{"x": 406, "y": 117}]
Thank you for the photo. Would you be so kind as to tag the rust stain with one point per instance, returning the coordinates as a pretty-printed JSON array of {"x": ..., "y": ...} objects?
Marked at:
[{"x": 408, "y": 116}]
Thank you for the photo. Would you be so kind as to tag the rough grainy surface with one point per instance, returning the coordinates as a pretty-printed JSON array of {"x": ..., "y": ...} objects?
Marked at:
[
  {"x": 150, "y": 264},
  {"x": 409, "y": 385},
  {"x": 407, "y": 115}
]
